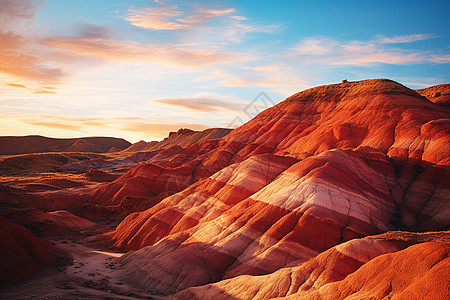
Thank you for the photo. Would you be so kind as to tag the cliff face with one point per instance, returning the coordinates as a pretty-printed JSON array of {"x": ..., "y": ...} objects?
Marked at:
[
  {"x": 183, "y": 137},
  {"x": 325, "y": 166}
]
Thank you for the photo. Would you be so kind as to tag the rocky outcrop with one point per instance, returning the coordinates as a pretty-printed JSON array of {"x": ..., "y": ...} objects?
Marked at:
[{"x": 183, "y": 137}]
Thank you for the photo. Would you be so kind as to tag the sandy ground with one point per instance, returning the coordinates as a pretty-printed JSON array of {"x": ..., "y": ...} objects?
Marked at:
[{"x": 93, "y": 274}]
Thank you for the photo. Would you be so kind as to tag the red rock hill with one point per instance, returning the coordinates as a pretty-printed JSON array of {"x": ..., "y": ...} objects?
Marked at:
[{"x": 325, "y": 166}]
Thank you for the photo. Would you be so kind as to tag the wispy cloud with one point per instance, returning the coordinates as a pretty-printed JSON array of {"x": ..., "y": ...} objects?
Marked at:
[
  {"x": 55, "y": 125},
  {"x": 193, "y": 19},
  {"x": 156, "y": 17},
  {"x": 17, "y": 85},
  {"x": 403, "y": 38},
  {"x": 204, "y": 15},
  {"x": 44, "y": 92},
  {"x": 277, "y": 77},
  {"x": 34, "y": 90},
  {"x": 16, "y": 11},
  {"x": 164, "y": 16},
  {"x": 363, "y": 53},
  {"x": 18, "y": 53},
  {"x": 441, "y": 59},
  {"x": 204, "y": 104},
  {"x": 18, "y": 58},
  {"x": 169, "y": 54}
]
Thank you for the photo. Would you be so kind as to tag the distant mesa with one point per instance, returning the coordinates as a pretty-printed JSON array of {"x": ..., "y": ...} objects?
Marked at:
[
  {"x": 183, "y": 137},
  {"x": 12, "y": 145}
]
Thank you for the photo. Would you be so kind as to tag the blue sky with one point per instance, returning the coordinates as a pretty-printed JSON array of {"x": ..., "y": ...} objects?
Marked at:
[{"x": 139, "y": 69}]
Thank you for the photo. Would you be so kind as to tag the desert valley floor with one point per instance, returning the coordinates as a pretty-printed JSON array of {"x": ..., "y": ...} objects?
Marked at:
[{"x": 338, "y": 192}]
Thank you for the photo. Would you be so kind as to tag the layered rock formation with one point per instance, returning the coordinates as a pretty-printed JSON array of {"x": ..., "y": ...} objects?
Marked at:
[
  {"x": 325, "y": 166},
  {"x": 395, "y": 265},
  {"x": 183, "y": 137}
]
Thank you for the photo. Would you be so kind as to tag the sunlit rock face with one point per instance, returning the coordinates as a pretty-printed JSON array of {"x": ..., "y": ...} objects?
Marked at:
[
  {"x": 397, "y": 265},
  {"x": 291, "y": 195}
]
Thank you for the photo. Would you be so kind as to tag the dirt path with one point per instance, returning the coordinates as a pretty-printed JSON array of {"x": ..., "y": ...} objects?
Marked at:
[{"x": 93, "y": 274}]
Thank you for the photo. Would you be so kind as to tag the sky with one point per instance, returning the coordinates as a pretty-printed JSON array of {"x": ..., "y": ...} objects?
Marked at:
[{"x": 140, "y": 69}]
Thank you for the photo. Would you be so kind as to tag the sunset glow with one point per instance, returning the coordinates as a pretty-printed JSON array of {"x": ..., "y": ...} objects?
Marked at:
[{"x": 139, "y": 69}]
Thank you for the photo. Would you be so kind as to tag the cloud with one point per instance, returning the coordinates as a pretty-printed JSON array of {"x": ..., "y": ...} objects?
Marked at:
[
  {"x": 55, "y": 125},
  {"x": 13, "y": 11},
  {"x": 204, "y": 104},
  {"x": 441, "y": 59},
  {"x": 168, "y": 54},
  {"x": 34, "y": 90},
  {"x": 96, "y": 31},
  {"x": 163, "y": 16},
  {"x": 403, "y": 38},
  {"x": 314, "y": 46},
  {"x": 156, "y": 17},
  {"x": 44, "y": 92},
  {"x": 193, "y": 20},
  {"x": 17, "y": 51},
  {"x": 17, "y": 85},
  {"x": 203, "y": 15},
  {"x": 362, "y": 53},
  {"x": 266, "y": 68},
  {"x": 17, "y": 59},
  {"x": 277, "y": 77},
  {"x": 64, "y": 122}
]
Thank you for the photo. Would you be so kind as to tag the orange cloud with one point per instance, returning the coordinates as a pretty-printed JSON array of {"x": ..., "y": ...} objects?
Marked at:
[
  {"x": 204, "y": 104},
  {"x": 55, "y": 125},
  {"x": 16, "y": 59},
  {"x": 178, "y": 55},
  {"x": 44, "y": 92},
  {"x": 18, "y": 85},
  {"x": 203, "y": 15},
  {"x": 17, "y": 52},
  {"x": 156, "y": 17},
  {"x": 162, "y": 16}
]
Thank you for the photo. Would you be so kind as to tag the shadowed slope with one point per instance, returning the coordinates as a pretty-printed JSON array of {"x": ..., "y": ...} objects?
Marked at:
[{"x": 21, "y": 253}]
